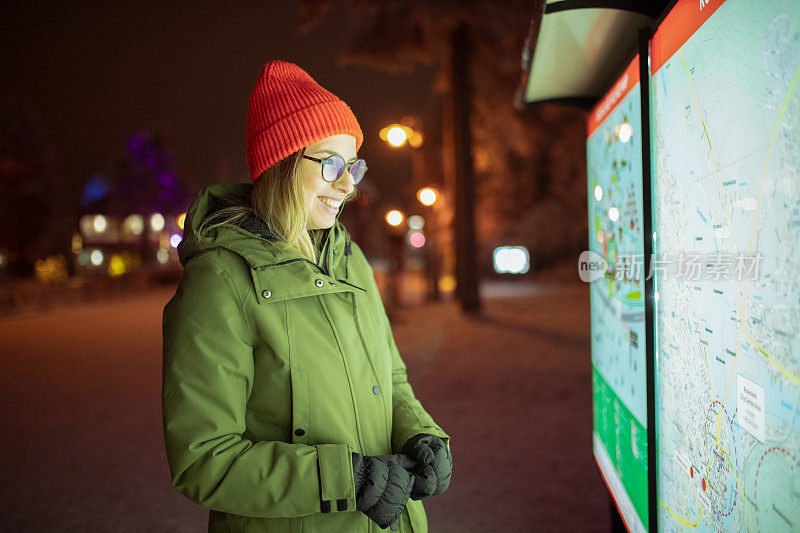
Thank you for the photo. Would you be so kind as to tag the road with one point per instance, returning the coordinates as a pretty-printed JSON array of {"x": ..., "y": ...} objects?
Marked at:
[{"x": 83, "y": 448}]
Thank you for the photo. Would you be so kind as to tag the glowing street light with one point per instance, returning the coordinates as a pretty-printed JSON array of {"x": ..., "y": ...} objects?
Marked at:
[
  {"x": 100, "y": 223},
  {"x": 157, "y": 221},
  {"x": 396, "y": 136},
  {"x": 427, "y": 196},
  {"x": 394, "y": 217}
]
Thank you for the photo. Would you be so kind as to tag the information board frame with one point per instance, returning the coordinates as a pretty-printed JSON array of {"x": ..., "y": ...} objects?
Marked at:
[{"x": 638, "y": 65}]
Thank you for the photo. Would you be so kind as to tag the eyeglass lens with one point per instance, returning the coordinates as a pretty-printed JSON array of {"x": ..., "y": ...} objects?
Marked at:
[{"x": 333, "y": 167}]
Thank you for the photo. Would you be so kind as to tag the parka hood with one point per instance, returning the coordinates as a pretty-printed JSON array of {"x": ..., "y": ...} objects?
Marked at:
[{"x": 251, "y": 238}]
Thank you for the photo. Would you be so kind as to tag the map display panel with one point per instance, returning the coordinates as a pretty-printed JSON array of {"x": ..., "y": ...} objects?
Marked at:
[
  {"x": 725, "y": 130},
  {"x": 614, "y": 169}
]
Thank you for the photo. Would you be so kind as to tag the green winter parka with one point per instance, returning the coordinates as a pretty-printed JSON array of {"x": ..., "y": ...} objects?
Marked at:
[{"x": 275, "y": 369}]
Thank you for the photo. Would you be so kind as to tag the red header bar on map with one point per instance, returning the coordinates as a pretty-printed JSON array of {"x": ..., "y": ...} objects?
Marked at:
[
  {"x": 682, "y": 21},
  {"x": 618, "y": 92}
]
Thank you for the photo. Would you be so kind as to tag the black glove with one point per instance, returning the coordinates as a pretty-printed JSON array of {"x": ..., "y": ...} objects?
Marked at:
[
  {"x": 434, "y": 465},
  {"x": 383, "y": 485}
]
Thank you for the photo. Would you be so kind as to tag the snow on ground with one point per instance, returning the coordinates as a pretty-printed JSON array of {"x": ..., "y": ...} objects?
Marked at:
[{"x": 84, "y": 451}]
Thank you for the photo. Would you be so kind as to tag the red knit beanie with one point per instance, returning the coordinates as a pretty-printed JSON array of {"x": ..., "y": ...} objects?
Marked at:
[{"x": 288, "y": 111}]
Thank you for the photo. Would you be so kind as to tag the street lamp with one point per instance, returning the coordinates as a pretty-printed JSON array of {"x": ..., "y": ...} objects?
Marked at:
[
  {"x": 409, "y": 131},
  {"x": 427, "y": 196},
  {"x": 394, "y": 217},
  {"x": 398, "y": 134}
]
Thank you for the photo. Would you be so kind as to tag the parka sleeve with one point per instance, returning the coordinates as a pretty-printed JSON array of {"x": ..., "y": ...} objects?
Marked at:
[{"x": 207, "y": 378}]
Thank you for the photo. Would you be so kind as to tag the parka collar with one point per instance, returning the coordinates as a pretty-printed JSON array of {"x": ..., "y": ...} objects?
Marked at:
[{"x": 250, "y": 238}]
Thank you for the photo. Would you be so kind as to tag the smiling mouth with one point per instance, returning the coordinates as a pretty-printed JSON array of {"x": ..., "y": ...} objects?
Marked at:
[{"x": 330, "y": 202}]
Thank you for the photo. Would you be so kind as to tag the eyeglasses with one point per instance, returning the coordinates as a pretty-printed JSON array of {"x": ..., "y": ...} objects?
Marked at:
[{"x": 334, "y": 166}]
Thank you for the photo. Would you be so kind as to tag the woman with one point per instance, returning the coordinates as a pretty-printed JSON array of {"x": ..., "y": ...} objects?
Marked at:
[{"x": 286, "y": 406}]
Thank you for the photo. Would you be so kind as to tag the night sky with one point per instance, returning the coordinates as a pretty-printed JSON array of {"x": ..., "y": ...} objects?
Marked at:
[{"x": 93, "y": 71}]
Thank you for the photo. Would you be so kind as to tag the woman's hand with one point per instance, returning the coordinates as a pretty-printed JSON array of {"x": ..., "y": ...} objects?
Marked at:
[
  {"x": 383, "y": 486},
  {"x": 434, "y": 465}
]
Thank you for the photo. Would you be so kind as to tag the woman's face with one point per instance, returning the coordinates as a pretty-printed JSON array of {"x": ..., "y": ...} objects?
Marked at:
[{"x": 323, "y": 198}]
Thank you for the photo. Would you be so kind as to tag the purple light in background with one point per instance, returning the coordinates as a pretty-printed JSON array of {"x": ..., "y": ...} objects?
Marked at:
[{"x": 149, "y": 182}]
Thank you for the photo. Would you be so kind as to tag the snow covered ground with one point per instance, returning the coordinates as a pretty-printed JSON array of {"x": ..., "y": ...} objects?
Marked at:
[{"x": 83, "y": 447}]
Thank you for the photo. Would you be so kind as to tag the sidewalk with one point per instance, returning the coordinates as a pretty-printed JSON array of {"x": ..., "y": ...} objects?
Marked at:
[{"x": 512, "y": 389}]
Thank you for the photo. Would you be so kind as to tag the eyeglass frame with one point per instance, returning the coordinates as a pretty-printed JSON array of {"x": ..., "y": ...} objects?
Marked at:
[{"x": 345, "y": 168}]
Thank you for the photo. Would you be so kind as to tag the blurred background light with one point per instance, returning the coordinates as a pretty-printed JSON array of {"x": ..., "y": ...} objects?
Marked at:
[
  {"x": 447, "y": 283},
  {"x": 95, "y": 189},
  {"x": 133, "y": 224},
  {"x": 598, "y": 193},
  {"x": 396, "y": 136},
  {"x": 86, "y": 225},
  {"x": 394, "y": 217},
  {"x": 117, "y": 266},
  {"x": 181, "y": 219},
  {"x": 162, "y": 256},
  {"x": 99, "y": 223},
  {"x": 417, "y": 239},
  {"x": 427, "y": 196},
  {"x": 96, "y": 257},
  {"x": 157, "y": 221},
  {"x": 53, "y": 268},
  {"x": 77, "y": 243},
  {"x": 613, "y": 214},
  {"x": 416, "y": 222},
  {"x": 511, "y": 260},
  {"x": 175, "y": 239}
]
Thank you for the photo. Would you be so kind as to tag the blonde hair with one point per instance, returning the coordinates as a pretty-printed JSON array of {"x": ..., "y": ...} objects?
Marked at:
[{"x": 278, "y": 199}]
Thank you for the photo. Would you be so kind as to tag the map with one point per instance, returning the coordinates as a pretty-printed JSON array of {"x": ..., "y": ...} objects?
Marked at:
[
  {"x": 614, "y": 154},
  {"x": 726, "y": 191}
]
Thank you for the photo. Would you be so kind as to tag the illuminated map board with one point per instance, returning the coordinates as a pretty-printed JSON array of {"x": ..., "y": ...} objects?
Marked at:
[
  {"x": 725, "y": 130},
  {"x": 614, "y": 170}
]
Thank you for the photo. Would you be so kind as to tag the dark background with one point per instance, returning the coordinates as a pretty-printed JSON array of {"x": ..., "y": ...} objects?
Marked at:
[{"x": 93, "y": 71}]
